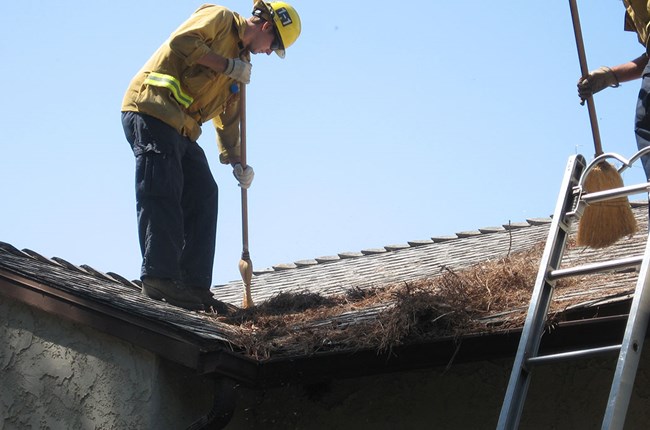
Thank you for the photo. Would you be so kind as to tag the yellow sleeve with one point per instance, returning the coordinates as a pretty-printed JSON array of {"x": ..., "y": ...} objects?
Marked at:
[
  {"x": 228, "y": 135},
  {"x": 193, "y": 38}
]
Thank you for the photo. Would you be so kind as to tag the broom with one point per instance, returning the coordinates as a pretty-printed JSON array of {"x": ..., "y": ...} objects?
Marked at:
[
  {"x": 602, "y": 223},
  {"x": 245, "y": 263}
]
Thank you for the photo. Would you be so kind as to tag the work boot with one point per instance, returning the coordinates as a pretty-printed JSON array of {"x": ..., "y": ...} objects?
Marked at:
[
  {"x": 208, "y": 300},
  {"x": 172, "y": 292}
]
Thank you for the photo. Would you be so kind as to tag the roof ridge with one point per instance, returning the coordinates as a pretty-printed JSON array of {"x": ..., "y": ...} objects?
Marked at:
[
  {"x": 60, "y": 262},
  {"x": 434, "y": 240},
  {"x": 510, "y": 226}
]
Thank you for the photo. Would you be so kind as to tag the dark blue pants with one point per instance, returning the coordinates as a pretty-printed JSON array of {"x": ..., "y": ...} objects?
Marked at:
[
  {"x": 642, "y": 120},
  {"x": 176, "y": 200}
]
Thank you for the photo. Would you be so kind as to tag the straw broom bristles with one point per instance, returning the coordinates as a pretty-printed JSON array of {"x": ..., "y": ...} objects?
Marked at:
[{"x": 603, "y": 223}]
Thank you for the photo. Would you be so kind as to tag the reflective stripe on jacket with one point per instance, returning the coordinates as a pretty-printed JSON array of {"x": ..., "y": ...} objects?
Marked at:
[
  {"x": 172, "y": 84},
  {"x": 174, "y": 88}
]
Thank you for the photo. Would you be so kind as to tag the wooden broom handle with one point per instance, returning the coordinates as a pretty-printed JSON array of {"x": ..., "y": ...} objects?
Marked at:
[
  {"x": 585, "y": 72},
  {"x": 244, "y": 194}
]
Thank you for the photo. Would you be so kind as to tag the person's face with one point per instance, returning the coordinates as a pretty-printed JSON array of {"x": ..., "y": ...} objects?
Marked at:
[{"x": 265, "y": 40}]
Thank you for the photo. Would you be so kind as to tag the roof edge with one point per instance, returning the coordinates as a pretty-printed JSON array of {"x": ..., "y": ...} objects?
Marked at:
[
  {"x": 155, "y": 337},
  {"x": 442, "y": 353}
]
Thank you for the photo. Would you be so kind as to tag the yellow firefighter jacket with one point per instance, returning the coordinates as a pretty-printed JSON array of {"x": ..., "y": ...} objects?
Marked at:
[
  {"x": 638, "y": 18},
  {"x": 172, "y": 87}
]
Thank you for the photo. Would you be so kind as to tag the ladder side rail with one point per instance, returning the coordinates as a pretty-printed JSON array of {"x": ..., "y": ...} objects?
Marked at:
[
  {"x": 628, "y": 361},
  {"x": 528, "y": 347},
  {"x": 536, "y": 318}
]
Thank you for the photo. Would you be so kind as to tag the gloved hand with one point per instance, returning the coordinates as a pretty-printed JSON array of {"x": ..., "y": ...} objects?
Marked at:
[
  {"x": 244, "y": 176},
  {"x": 238, "y": 70},
  {"x": 597, "y": 80}
]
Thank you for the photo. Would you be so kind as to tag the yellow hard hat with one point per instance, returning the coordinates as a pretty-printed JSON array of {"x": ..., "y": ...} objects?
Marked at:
[{"x": 285, "y": 20}]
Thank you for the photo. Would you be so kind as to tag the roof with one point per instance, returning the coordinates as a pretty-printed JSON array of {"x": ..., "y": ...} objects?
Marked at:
[{"x": 590, "y": 312}]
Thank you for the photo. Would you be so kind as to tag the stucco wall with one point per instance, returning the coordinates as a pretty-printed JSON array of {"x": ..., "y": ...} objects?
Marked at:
[{"x": 58, "y": 375}]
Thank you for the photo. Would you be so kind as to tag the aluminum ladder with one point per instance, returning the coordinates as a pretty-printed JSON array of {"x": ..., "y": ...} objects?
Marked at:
[{"x": 570, "y": 205}]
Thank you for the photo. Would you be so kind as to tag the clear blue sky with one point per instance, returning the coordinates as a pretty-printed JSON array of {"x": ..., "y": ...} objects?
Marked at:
[{"x": 387, "y": 122}]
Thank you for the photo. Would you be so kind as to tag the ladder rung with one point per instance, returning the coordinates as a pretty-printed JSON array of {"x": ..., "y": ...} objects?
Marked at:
[
  {"x": 602, "y": 266},
  {"x": 584, "y": 353},
  {"x": 600, "y": 196}
]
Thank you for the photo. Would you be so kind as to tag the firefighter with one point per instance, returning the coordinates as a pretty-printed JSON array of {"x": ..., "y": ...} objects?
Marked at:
[{"x": 193, "y": 78}]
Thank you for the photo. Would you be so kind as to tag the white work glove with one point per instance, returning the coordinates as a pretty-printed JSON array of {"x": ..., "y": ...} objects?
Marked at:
[
  {"x": 238, "y": 70},
  {"x": 244, "y": 176},
  {"x": 597, "y": 80}
]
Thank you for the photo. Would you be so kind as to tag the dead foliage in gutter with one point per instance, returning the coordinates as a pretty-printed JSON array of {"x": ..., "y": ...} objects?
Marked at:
[{"x": 448, "y": 305}]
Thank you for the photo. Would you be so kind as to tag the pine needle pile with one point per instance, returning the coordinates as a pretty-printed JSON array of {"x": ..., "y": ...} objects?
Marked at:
[{"x": 448, "y": 305}]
